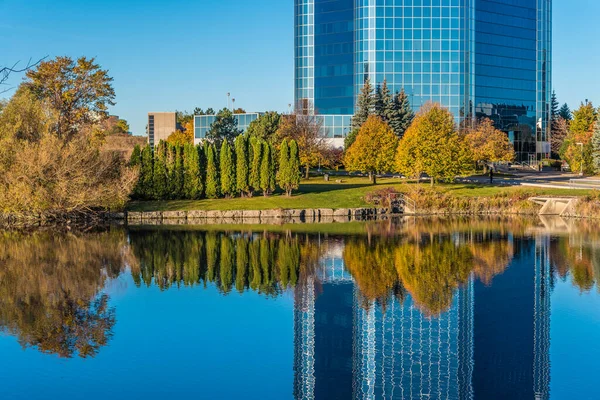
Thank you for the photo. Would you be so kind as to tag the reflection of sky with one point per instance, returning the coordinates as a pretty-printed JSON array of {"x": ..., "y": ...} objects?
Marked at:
[
  {"x": 187, "y": 343},
  {"x": 575, "y": 342}
]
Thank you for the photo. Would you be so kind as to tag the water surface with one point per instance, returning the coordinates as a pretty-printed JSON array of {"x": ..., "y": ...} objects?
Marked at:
[{"x": 407, "y": 309}]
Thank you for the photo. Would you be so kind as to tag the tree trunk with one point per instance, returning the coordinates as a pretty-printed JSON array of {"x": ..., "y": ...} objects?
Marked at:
[
  {"x": 374, "y": 181},
  {"x": 432, "y": 181},
  {"x": 306, "y": 173}
]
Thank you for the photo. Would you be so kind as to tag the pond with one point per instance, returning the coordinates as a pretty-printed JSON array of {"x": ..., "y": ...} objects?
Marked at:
[{"x": 399, "y": 309}]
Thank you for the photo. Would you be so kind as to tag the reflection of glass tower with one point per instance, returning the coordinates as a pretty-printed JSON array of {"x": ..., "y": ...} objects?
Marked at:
[
  {"x": 493, "y": 342},
  {"x": 403, "y": 354}
]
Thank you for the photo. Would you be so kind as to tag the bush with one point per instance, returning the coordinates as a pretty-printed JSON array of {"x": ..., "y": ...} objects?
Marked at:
[{"x": 382, "y": 197}]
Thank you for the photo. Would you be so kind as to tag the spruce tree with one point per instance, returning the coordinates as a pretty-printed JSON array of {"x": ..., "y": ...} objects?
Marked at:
[
  {"x": 171, "y": 157},
  {"x": 284, "y": 172},
  {"x": 554, "y": 107},
  {"x": 402, "y": 115},
  {"x": 266, "y": 171},
  {"x": 179, "y": 173},
  {"x": 145, "y": 187},
  {"x": 256, "y": 146},
  {"x": 160, "y": 177},
  {"x": 213, "y": 184},
  {"x": 192, "y": 186},
  {"x": 596, "y": 147},
  {"x": 365, "y": 105},
  {"x": 136, "y": 156},
  {"x": 242, "y": 169},
  {"x": 294, "y": 166},
  {"x": 565, "y": 112},
  {"x": 384, "y": 102},
  {"x": 227, "y": 168}
]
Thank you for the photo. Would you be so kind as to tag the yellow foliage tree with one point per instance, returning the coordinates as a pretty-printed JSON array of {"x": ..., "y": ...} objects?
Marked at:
[
  {"x": 373, "y": 150},
  {"x": 489, "y": 144},
  {"x": 181, "y": 137},
  {"x": 431, "y": 145}
]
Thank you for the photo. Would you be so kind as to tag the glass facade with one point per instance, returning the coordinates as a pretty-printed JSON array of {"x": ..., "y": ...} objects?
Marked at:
[
  {"x": 202, "y": 123},
  {"x": 475, "y": 57}
]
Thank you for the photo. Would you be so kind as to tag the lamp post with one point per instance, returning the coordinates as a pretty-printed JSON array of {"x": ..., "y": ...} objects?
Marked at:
[
  {"x": 228, "y": 95},
  {"x": 233, "y": 104},
  {"x": 581, "y": 144}
]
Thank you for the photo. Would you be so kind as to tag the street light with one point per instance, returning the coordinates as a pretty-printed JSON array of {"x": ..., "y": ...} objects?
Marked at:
[{"x": 581, "y": 144}]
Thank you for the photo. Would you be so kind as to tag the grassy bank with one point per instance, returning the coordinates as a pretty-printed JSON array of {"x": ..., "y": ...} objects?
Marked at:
[{"x": 349, "y": 193}]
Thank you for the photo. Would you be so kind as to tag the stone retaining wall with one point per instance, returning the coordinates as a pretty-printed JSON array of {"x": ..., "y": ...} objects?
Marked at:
[{"x": 201, "y": 217}]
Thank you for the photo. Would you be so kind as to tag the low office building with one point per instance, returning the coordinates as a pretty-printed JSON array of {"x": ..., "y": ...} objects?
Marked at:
[
  {"x": 202, "y": 124},
  {"x": 160, "y": 126}
]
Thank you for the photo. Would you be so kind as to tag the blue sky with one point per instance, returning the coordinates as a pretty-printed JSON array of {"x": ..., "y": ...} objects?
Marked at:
[{"x": 180, "y": 54}]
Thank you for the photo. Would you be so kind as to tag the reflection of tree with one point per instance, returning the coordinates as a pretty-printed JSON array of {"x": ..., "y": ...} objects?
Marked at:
[
  {"x": 372, "y": 267},
  {"x": 50, "y": 289},
  {"x": 428, "y": 266},
  {"x": 581, "y": 262},
  {"x": 432, "y": 271},
  {"x": 265, "y": 263}
]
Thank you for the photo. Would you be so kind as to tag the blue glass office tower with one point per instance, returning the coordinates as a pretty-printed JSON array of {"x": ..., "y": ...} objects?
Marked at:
[{"x": 476, "y": 57}]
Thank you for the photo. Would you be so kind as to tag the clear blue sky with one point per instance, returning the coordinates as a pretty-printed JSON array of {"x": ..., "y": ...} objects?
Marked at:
[{"x": 177, "y": 55}]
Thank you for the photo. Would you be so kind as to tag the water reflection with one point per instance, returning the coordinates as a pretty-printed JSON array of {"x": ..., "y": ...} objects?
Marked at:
[{"x": 452, "y": 309}]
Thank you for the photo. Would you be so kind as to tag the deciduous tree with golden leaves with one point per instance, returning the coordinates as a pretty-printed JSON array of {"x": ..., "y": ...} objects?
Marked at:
[
  {"x": 373, "y": 150},
  {"x": 487, "y": 143}
]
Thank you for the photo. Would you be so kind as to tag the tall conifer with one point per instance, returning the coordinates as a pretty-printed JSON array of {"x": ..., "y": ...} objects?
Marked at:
[
  {"x": 242, "y": 170},
  {"x": 257, "y": 150},
  {"x": 160, "y": 175},
  {"x": 227, "y": 168},
  {"x": 213, "y": 184},
  {"x": 284, "y": 173}
]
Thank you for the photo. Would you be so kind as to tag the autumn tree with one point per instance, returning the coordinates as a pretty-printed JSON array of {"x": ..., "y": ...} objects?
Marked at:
[
  {"x": 488, "y": 144},
  {"x": 180, "y": 138},
  {"x": 577, "y": 147},
  {"x": 373, "y": 150},
  {"x": 596, "y": 147},
  {"x": 225, "y": 127},
  {"x": 560, "y": 131},
  {"x": 80, "y": 92},
  {"x": 431, "y": 145},
  {"x": 227, "y": 168}
]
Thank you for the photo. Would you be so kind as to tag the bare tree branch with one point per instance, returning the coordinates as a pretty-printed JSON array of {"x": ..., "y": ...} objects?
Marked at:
[{"x": 14, "y": 69}]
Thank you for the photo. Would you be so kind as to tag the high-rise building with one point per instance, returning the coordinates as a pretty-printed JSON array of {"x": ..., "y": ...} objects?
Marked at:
[{"x": 478, "y": 58}]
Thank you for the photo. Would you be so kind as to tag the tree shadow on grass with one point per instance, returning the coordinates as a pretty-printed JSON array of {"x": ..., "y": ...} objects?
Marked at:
[{"x": 321, "y": 188}]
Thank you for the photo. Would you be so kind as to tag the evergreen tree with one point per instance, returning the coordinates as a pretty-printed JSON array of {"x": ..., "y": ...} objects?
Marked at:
[
  {"x": 145, "y": 187},
  {"x": 136, "y": 156},
  {"x": 227, "y": 168},
  {"x": 266, "y": 170},
  {"x": 284, "y": 175},
  {"x": 171, "y": 152},
  {"x": 265, "y": 127},
  {"x": 294, "y": 166},
  {"x": 365, "y": 105},
  {"x": 192, "y": 186},
  {"x": 384, "y": 102},
  {"x": 225, "y": 127},
  {"x": 596, "y": 147},
  {"x": 256, "y": 146},
  {"x": 402, "y": 114},
  {"x": 565, "y": 112},
  {"x": 213, "y": 184},
  {"x": 160, "y": 175},
  {"x": 179, "y": 173},
  {"x": 242, "y": 169},
  {"x": 554, "y": 107}
]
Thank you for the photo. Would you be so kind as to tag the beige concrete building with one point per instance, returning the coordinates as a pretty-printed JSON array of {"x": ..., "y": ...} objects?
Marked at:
[{"x": 160, "y": 126}]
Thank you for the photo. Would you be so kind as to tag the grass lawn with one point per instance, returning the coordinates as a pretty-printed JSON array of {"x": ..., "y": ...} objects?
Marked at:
[{"x": 316, "y": 193}]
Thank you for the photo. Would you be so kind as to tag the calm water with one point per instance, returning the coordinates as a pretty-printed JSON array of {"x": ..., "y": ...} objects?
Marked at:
[{"x": 393, "y": 310}]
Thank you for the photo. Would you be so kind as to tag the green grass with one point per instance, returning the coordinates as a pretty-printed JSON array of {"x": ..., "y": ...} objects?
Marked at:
[{"x": 316, "y": 193}]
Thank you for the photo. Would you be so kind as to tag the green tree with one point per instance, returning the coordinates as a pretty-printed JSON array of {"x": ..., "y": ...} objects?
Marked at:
[
  {"x": 80, "y": 92},
  {"x": 294, "y": 167},
  {"x": 192, "y": 186},
  {"x": 242, "y": 166},
  {"x": 374, "y": 149},
  {"x": 384, "y": 102},
  {"x": 255, "y": 166},
  {"x": 284, "y": 173},
  {"x": 213, "y": 183},
  {"x": 266, "y": 170},
  {"x": 577, "y": 147},
  {"x": 145, "y": 182},
  {"x": 402, "y": 115},
  {"x": 136, "y": 156},
  {"x": 225, "y": 127},
  {"x": 365, "y": 105},
  {"x": 179, "y": 175},
  {"x": 227, "y": 168},
  {"x": 565, "y": 112},
  {"x": 554, "y": 106},
  {"x": 160, "y": 179},
  {"x": 265, "y": 127},
  {"x": 431, "y": 145}
]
